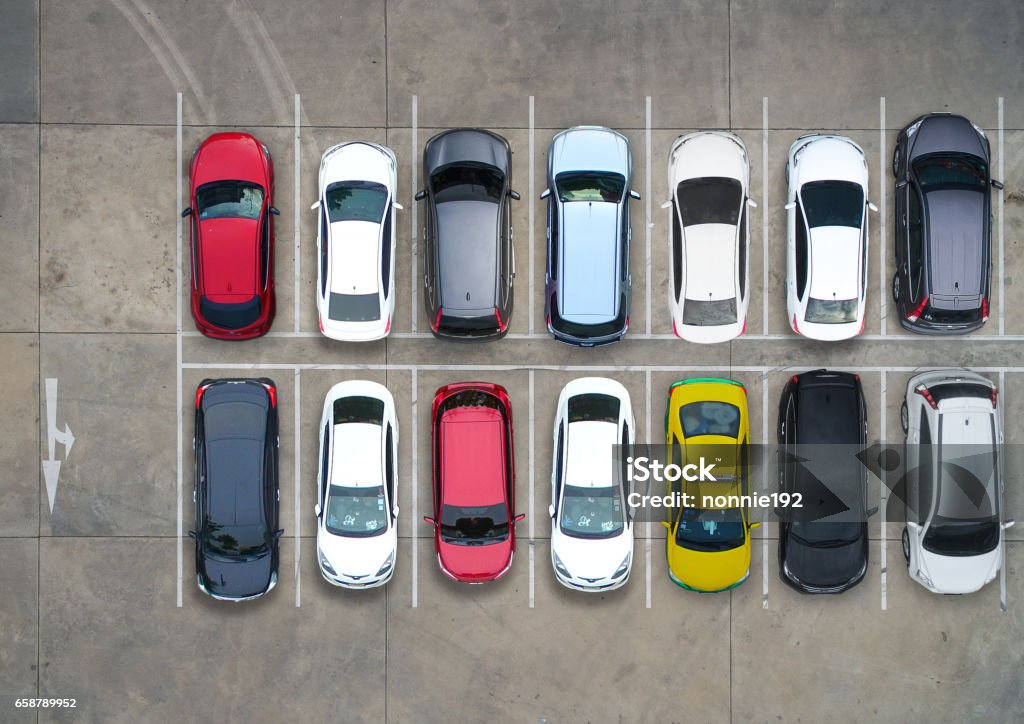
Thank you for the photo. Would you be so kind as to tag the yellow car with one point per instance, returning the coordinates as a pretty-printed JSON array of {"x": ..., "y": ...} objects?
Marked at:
[{"x": 707, "y": 432}]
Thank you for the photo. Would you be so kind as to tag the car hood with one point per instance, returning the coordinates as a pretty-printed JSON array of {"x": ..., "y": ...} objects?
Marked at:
[
  {"x": 945, "y": 134},
  {"x": 356, "y": 557},
  {"x": 825, "y": 567},
  {"x": 590, "y": 148},
  {"x": 835, "y": 259},
  {"x": 475, "y": 564},
  {"x": 707, "y": 154},
  {"x": 228, "y": 260},
  {"x": 960, "y": 574},
  {"x": 236, "y": 579},
  {"x": 708, "y": 571},
  {"x": 593, "y": 558},
  {"x": 710, "y": 262},
  {"x": 956, "y": 225},
  {"x": 464, "y": 145},
  {"x": 233, "y": 156},
  {"x": 590, "y": 261}
]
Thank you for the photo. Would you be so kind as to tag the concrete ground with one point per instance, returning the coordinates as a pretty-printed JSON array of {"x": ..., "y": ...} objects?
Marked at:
[{"x": 97, "y": 597}]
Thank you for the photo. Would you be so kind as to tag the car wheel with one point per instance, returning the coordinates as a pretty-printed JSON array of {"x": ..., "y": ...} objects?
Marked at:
[
  {"x": 906, "y": 546},
  {"x": 896, "y": 287},
  {"x": 896, "y": 161},
  {"x": 904, "y": 417}
]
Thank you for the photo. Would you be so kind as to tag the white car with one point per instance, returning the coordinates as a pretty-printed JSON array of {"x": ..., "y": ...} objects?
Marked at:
[
  {"x": 827, "y": 237},
  {"x": 355, "y": 241},
  {"x": 953, "y": 540},
  {"x": 709, "y": 284},
  {"x": 356, "y": 532},
  {"x": 591, "y": 523}
]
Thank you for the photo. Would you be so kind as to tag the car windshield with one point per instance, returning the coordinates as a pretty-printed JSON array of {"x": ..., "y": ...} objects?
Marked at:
[
  {"x": 480, "y": 525},
  {"x": 467, "y": 182},
  {"x": 356, "y": 511},
  {"x": 708, "y": 313},
  {"x": 591, "y": 512},
  {"x": 833, "y": 203},
  {"x": 354, "y": 307},
  {"x": 235, "y": 540},
  {"x": 229, "y": 200},
  {"x": 944, "y": 172},
  {"x": 823, "y": 534},
  {"x": 831, "y": 311},
  {"x": 961, "y": 538},
  {"x": 356, "y": 201},
  {"x": 590, "y": 186},
  {"x": 709, "y": 201},
  {"x": 710, "y": 530},
  {"x": 710, "y": 418}
]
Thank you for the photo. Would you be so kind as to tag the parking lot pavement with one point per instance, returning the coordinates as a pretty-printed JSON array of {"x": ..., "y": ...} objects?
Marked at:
[
  {"x": 19, "y": 607},
  {"x": 1013, "y": 227},
  {"x": 116, "y": 393},
  {"x": 19, "y": 56},
  {"x": 19, "y": 436},
  {"x": 19, "y": 204}
]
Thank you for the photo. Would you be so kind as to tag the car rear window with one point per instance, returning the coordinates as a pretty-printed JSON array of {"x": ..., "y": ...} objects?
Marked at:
[
  {"x": 953, "y": 390},
  {"x": 354, "y": 307},
  {"x": 358, "y": 409},
  {"x": 468, "y": 326},
  {"x": 230, "y": 316},
  {"x": 707, "y": 313},
  {"x": 951, "y": 316},
  {"x": 833, "y": 203},
  {"x": 356, "y": 201},
  {"x": 831, "y": 311},
  {"x": 588, "y": 331},
  {"x": 593, "y": 407},
  {"x": 709, "y": 200}
]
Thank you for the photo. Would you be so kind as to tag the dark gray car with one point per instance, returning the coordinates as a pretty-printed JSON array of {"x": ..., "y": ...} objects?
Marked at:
[
  {"x": 943, "y": 225},
  {"x": 469, "y": 261}
]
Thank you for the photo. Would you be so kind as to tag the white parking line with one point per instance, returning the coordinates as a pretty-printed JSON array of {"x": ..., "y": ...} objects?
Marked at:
[
  {"x": 1002, "y": 394},
  {"x": 883, "y": 195},
  {"x": 883, "y": 495},
  {"x": 414, "y": 523},
  {"x": 648, "y": 224},
  {"x": 415, "y": 234},
  {"x": 764, "y": 215},
  {"x": 530, "y": 200},
  {"x": 1002, "y": 245},
  {"x": 177, "y": 296},
  {"x": 298, "y": 485},
  {"x": 764, "y": 490},
  {"x": 650, "y": 523},
  {"x": 530, "y": 513},
  {"x": 295, "y": 212}
]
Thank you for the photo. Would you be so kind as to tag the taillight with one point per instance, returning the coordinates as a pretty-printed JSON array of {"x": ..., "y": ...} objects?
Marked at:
[
  {"x": 675, "y": 329},
  {"x": 272, "y": 391},
  {"x": 912, "y": 317},
  {"x": 387, "y": 327},
  {"x": 794, "y": 379},
  {"x": 199, "y": 394},
  {"x": 984, "y": 309},
  {"x": 995, "y": 396},
  {"x": 437, "y": 320},
  {"x": 923, "y": 391},
  {"x": 861, "y": 325},
  {"x": 796, "y": 328},
  {"x": 320, "y": 321},
  {"x": 502, "y": 325},
  {"x": 744, "y": 330}
]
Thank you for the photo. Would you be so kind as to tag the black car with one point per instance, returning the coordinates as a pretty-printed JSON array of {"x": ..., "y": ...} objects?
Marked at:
[
  {"x": 469, "y": 260},
  {"x": 236, "y": 488},
  {"x": 943, "y": 225},
  {"x": 822, "y": 418}
]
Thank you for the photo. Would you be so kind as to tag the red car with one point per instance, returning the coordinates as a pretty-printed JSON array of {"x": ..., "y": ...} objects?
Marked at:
[
  {"x": 232, "y": 236},
  {"x": 474, "y": 481}
]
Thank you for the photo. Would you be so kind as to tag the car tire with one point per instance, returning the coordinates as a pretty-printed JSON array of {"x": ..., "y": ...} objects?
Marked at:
[
  {"x": 896, "y": 288},
  {"x": 904, "y": 417},
  {"x": 906, "y": 546},
  {"x": 896, "y": 162}
]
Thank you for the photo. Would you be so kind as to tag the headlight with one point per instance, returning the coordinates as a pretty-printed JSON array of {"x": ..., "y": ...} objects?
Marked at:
[
  {"x": 924, "y": 578},
  {"x": 324, "y": 564},
  {"x": 979, "y": 129},
  {"x": 913, "y": 129},
  {"x": 623, "y": 567},
  {"x": 559, "y": 566},
  {"x": 387, "y": 564}
]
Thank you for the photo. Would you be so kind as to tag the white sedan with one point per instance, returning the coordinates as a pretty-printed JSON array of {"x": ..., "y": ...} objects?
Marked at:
[
  {"x": 827, "y": 237},
  {"x": 709, "y": 286},
  {"x": 356, "y": 533},
  {"x": 591, "y": 524},
  {"x": 355, "y": 294}
]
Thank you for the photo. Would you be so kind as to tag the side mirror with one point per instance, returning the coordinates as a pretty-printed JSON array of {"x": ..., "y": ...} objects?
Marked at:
[
  {"x": 871, "y": 512},
  {"x": 551, "y": 511},
  {"x": 754, "y": 525},
  {"x": 545, "y": 193},
  {"x": 1009, "y": 524},
  {"x": 791, "y": 205},
  {"x": 315, "y": 206},
  {"x": 900, "y": 184},
  {"x": 316, "y": 509},
  {"x": 667, "y": 525},
  {"x": 195, "y": 536},
  {"x": 275, "y": 211},
  {"x": 751, "y": 203},
  {"x": 667, "y": 204},
  {"x": 187, "y": 212},
  {"x": 514, "y": 194},
  {"x": 634, "y": 194},
  {"x": 428, "y": 519},
  {"x": 395, "y": 513},
  {"x": 521, "y": 516},
  {"x": 872, "y": 206},
  {"x": 279, "y": 532},
  {"x": 420, "y": 195},
  {"x": 397, "y": 205},
  {"x": 913, "y": 526},
  {"x": 997, "y": 184}
]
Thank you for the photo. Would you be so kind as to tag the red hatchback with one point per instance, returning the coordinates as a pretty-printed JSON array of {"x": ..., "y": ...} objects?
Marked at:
[
  {"x": 474, "y": 481},
  {"x": 232, "y": 236}
]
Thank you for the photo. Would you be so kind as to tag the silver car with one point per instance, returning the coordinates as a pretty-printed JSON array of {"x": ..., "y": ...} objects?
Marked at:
[{"x": 588, "y": 284}]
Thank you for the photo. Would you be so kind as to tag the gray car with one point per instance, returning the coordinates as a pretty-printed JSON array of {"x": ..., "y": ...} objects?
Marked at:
[
  {"x": 588, "y": 286},
  {"x": 468, "y": 260},
  {"x": 943, "y": 225}
]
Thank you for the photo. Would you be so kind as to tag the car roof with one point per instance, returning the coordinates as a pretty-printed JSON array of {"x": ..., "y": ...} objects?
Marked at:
[
  {"x": 355, "y": 257},
  {"x": 835, "y": 261},
  {"x": 472, "y": 450},
  {"x": 356, "y": 455},
  {"x": 589, "y": 269},
  {"x": 234, "y": 433},
  {"x": 957, "y": 243},
  {"x": 828, "y": 409},
  {"x": 710, "y": 252},
  {"x": 467, "y": 249},
  {"x": 589, "y": 459}
]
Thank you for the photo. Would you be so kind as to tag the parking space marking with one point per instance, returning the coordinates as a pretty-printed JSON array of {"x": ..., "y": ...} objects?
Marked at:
[
  {"x": 530, "y": 513},
  {"x": 296, "y": 207},
  {"x": 1002, "y": 393},
  {"x": 764, "y": 490},
  {"x": 1002, "y": 247},
  {"x": 883, "y": 195},
  {"x": 883, "y": 493},
  {"x": 648, "y": 224},
  {"x": 530, "y": 200},
  {"x": 415, "y": 233},
  {"x": 414, "y": 484},
  {"x": 178, "y": 352},
  {"x": 764, "y": 215},
  {"x": 297, "y": 404},
  {"x": 650, "y": 523}
]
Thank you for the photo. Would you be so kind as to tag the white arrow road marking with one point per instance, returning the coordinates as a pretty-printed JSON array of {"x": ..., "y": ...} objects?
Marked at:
[{"x": 51, "y": 465}]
